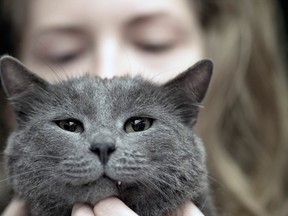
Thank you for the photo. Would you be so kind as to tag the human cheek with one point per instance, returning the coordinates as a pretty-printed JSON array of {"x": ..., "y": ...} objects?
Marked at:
[{"x": 163, "y": 66}]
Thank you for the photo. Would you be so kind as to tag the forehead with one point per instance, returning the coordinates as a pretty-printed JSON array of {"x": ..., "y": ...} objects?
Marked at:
[
  {"x": 117, "y": 88},
  {"x": 92, "y": 96},
  {"x": 46, "y": 12}
]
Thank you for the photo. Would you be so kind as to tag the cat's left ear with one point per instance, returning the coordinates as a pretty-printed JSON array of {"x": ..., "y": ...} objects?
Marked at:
[
  {"x": 193, "y": 83},
  {"x": 16, "y": 78}
]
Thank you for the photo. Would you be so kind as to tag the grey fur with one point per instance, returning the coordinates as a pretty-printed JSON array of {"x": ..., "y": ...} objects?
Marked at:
[{"x": 159, "y": 168}]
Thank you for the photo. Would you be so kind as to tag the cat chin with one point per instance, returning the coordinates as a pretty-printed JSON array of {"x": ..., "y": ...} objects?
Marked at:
[{"x": 92, "y": 192}]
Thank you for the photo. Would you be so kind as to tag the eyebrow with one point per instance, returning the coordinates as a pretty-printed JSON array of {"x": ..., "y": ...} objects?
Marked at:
[
  {"x": 60, "y": 29},
  {"x": 147, "y": 18}
]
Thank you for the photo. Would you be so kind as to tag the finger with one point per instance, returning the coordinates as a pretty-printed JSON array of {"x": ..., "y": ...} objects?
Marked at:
[
  {"x": 82, "y": 210},
  {"x": 112, "y": 206},
  {"x": 16, "y": 208},
  {"x": 191, "y": 210}
]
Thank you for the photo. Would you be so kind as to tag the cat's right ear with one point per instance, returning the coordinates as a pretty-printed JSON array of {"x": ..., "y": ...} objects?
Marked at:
[{"x": 16, "y": 78}]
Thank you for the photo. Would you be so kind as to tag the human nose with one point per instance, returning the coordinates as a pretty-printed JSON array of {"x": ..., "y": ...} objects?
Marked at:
[{"x": 108, "y": 58}]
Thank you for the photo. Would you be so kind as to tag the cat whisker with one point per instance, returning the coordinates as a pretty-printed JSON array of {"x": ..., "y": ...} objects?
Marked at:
[
  {"x": 199, "y": 105},
  {"x": 56, "y": 75},
  {"x": 156, "y": 187},
  {"x": 215, "y": 181},
  {"x": 32, "y": 156},
  {"x": 41, "y": 183},
  {"x": 48, "y": 156},
  {"x": 6, "y": 180},
  {"x": 5, "y": 183},
  {"x": 130, "y": 63},
  {"x": 166, "y": 70},
  {"x": 25, "y": 173},
  {"x": 162, "y": 181},
  {"x": 203, "y": 205}
]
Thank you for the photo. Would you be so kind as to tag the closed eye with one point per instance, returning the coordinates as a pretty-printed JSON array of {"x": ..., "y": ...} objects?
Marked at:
[
  {"x": 64, "y": 58},
  {"x": 155, "y": 48}
]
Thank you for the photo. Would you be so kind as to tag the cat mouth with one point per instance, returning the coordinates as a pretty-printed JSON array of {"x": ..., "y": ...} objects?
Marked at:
[
  {"x": 105, "y": 177},
  {"x": 116, "y": 182}
]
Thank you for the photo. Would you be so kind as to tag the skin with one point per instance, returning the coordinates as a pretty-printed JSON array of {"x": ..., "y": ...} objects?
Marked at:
[
  {"x": 156, "y": 40},
  {"x": 103, "y": 208}
]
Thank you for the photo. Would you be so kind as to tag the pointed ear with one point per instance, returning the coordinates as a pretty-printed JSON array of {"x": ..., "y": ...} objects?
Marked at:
[
  {"x": 16, "y": 78},
  {"x": 193, "y": 83}
]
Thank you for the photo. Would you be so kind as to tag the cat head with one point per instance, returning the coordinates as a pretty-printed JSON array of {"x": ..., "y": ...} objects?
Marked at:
[{"x": 84, "y": 132}]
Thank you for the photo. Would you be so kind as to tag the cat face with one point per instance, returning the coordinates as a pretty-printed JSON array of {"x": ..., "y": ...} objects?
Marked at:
[{"x": 87, "y": 138}]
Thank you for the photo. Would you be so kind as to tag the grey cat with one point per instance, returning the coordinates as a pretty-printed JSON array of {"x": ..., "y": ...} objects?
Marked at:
[{"x": 86, "y": 138}]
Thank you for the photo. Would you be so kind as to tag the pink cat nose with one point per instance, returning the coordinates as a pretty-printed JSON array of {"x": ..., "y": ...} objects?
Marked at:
[{"x": 103, "y": 148}]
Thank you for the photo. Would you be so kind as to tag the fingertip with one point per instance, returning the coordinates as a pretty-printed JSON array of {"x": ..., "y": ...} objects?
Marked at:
[
  {"x": 82, "y": 210},
  {"x": 16, "y": 208},
  {"x": 191, "y": 210},
  {"x": 112, "y": 206}
]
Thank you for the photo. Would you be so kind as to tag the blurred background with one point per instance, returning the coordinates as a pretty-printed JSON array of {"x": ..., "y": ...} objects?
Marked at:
[{"x": 7, "y": 45}]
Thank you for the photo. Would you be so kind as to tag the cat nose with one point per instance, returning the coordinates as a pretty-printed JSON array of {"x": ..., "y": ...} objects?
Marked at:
[{"x": 103, "y": 148}]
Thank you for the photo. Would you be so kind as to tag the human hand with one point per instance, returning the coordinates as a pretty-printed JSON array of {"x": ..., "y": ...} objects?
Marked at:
[
  {"x": 113, "y": 206},
  {"x": 16, "y": 208}
]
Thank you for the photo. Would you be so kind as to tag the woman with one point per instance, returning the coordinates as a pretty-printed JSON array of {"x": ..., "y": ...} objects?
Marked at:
[{"x": 244, "y": 122}]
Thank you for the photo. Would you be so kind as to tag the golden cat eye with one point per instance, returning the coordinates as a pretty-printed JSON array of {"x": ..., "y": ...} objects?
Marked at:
[
  {"x": 137, "y": 124},
  {"x": 71, "y": 125}
]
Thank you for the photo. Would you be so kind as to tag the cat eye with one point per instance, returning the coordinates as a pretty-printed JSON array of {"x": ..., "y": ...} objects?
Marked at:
[
  {"x": 137, "y": 124},
  {"x": 71, "y": 125}
]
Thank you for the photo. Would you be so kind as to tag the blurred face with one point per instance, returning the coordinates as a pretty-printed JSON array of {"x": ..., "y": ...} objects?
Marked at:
[{"x": 156, "y": 39}]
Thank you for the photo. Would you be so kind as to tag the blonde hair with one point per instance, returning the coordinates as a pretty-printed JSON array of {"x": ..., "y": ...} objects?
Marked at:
[{"x": 245, "y": 116}]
